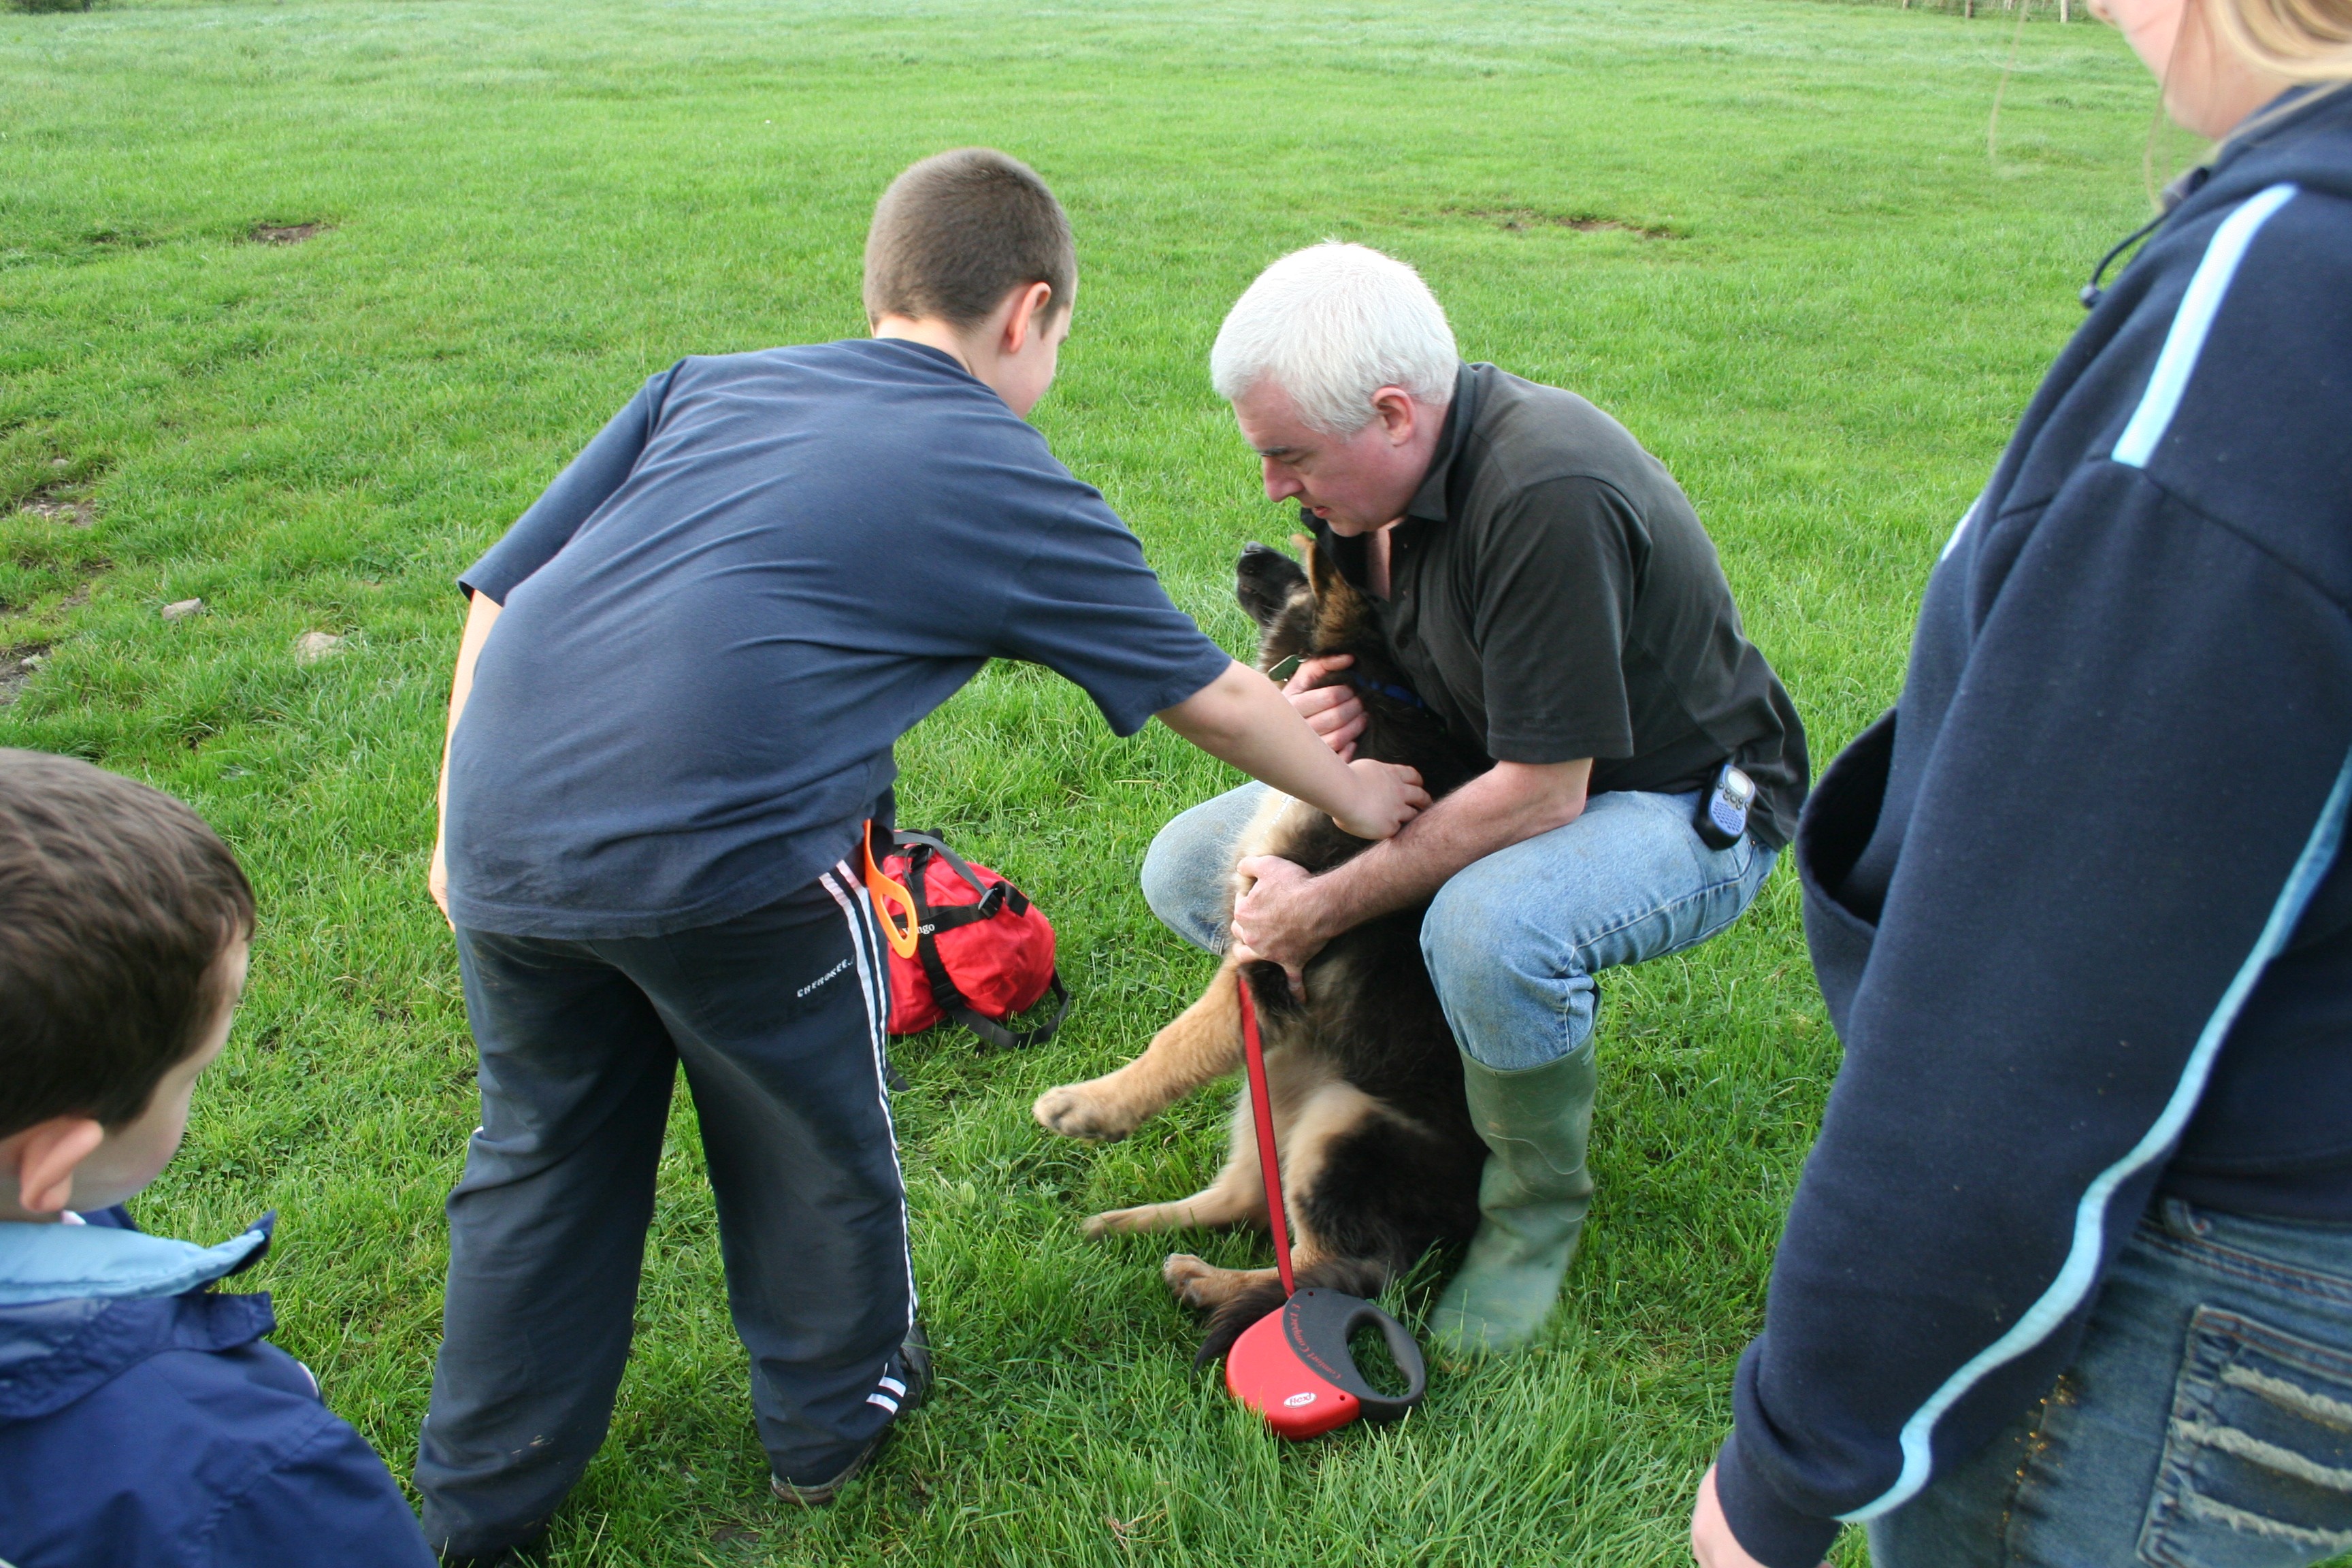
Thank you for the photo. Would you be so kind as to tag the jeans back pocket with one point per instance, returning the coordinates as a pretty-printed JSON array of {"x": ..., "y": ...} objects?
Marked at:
[{"x": 2257, "y": 1470}]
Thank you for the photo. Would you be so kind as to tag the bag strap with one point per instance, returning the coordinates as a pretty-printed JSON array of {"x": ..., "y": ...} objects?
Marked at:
[
  {"x": 1004, "y": 894},
  {"x": 951, "y": 1000}
]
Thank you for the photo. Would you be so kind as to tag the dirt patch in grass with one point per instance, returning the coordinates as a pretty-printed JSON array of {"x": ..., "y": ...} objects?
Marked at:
[
  {"x": 56, "y": 508},
  {"x": 1518, "y": 220},
  {"x": 286, "y": 233},
  {"x": 16, "y": 666}
]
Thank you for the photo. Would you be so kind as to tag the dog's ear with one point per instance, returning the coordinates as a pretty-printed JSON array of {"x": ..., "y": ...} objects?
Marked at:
[
  {"x": 1263, "y": 582},
  {"x": 1344, "y": 622},
  {"x": 1324, "y": 573}
]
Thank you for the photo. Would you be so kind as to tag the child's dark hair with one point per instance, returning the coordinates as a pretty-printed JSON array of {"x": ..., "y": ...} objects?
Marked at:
[
  {"x": 957, "y": 233},
  {"x": 115, "y": 901}
]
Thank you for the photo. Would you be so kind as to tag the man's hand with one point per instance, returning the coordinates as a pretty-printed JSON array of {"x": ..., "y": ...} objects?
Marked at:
[
  {"x": 1332, "y": 709},
  {"x": 1712, "y": 1542},
  {"x": 1279, "y": 919}
]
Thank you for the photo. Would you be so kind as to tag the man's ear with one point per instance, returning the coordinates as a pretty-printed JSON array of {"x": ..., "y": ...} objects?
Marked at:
[
  {"x": 1028, "y": 316},
  {"x": 1393, "y": 407},
  {"x": 46, "y": 1156}
]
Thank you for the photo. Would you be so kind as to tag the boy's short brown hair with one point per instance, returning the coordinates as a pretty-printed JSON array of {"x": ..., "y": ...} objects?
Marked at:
[
  {"x": 115, "y": 902},
  {"x": 957, "y": 233}
]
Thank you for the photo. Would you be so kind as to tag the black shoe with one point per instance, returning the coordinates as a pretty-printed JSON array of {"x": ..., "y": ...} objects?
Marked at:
[{"x": 913, "y": 1381}]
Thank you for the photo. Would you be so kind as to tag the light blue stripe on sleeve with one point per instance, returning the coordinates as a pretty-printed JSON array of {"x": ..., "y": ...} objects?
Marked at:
[
  {"x": 2080, "y": 1271},
  {"x": 2178, "y": 358}
]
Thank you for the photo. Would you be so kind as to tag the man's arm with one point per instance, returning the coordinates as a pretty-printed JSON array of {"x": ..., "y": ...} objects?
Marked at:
[
  {"x": 1288, "y": 915},
  {"x": 1243, "y": 718},
  {"x": 480, "y": 618}
]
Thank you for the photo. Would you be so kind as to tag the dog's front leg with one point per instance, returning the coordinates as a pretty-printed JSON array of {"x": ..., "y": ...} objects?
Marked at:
[{"x": 1204, "y": 1043}]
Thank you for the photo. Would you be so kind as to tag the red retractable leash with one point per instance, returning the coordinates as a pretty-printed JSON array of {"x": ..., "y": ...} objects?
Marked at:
[{"x": 1293, "y": 1365}]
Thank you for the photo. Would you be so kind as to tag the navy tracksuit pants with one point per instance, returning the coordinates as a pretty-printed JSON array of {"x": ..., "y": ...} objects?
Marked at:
[{"x": 777, "y": 1017}]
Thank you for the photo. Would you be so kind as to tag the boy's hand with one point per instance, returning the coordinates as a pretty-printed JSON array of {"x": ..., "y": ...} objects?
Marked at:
[
  {"x": 436, "y": 880},
  {"x": 1332, "y": 709},
  {"x": 1389, "y": 795}
]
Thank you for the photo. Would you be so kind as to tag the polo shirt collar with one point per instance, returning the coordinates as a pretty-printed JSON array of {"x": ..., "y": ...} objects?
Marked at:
[{"x": 1429, "y": 500}]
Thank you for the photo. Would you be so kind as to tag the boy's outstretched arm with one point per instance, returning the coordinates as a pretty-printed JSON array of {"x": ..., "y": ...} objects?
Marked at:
[
  {"x": 480, "y": 618},
  {"x": 1243, "y": 718}
]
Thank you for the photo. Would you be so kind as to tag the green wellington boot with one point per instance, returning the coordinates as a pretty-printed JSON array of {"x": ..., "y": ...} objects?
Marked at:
[{"x": 1533, "y": 1195}]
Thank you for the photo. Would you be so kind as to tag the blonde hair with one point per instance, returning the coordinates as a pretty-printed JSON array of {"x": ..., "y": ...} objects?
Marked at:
[{"x": 2302, "y": 40}]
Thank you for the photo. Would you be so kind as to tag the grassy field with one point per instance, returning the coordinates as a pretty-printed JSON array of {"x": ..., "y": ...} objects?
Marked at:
[{"x": 1766, "y": 233}]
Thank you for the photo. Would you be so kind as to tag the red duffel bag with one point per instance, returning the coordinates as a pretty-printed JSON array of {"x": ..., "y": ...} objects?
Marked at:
[{"x": 983, "y": 951}]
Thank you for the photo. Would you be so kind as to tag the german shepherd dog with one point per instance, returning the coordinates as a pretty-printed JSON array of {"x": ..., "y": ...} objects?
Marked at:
[{"x": 1379, "y": 1159}]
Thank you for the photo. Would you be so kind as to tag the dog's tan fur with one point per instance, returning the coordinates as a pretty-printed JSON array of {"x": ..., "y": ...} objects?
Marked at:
[{"x": 1203, "y": 1045}]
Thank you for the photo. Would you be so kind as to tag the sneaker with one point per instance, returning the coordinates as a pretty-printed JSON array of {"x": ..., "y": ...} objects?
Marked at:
[{"x": 904, "y": 1390}]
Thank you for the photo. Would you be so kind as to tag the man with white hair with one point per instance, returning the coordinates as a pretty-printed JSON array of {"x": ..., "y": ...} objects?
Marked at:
[{"x": 1548, "y": 590}]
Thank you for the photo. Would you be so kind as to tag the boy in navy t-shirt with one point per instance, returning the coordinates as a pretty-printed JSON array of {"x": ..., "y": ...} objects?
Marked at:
[
  {"x": 682, "y": 675},
  {"x": 142, "y": 1417}
]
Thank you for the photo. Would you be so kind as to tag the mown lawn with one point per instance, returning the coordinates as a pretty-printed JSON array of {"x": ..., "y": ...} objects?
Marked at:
[{"x": 1767, "y": 233}]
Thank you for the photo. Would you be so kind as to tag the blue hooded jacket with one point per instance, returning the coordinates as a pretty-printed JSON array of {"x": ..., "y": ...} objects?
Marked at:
[
  {"x": 143, "y": 1420},
  {"x": 2075, "y": 903}
]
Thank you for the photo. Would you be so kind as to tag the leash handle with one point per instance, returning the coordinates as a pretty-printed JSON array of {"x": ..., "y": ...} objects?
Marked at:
[{"x": 1262, "y": 1111}]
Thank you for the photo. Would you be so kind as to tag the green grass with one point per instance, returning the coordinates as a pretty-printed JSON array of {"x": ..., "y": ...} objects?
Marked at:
[{"x": 1826, "y": 309}]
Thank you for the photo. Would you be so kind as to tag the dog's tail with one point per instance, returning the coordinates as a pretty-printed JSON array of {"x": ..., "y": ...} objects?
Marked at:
[{"x": 1356, "y": 1276}]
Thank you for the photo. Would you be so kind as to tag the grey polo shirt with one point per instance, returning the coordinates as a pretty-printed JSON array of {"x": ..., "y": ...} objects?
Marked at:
[{"x": 1552, "y": 595}]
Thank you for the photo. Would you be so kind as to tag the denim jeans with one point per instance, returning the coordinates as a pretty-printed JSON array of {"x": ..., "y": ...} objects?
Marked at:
[
  {"x": 2205, "y": 1421},
  {"x": 1512, "y": 940}
]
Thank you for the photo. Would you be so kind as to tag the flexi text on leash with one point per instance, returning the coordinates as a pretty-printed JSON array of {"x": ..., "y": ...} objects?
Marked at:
[{"x": 1293, "y": 1365}]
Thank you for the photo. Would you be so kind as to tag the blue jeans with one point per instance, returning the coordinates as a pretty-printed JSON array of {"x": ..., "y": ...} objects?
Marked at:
[
  {"x": 1512, "y": 940},
  {"x": 2205, "y": 1421}
]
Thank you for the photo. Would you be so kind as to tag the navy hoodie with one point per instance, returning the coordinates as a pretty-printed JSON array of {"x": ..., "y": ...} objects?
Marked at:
[
  {"x": 2074, "y": 904},
  {"x": 143, "y": 1420}
]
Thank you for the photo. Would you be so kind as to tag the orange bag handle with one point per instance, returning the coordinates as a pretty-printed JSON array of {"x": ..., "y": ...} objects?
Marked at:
[{"x": 900, "y": 933}]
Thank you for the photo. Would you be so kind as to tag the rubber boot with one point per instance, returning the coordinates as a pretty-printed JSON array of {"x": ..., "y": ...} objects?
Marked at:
[{"x": 1532, "y": 1195}]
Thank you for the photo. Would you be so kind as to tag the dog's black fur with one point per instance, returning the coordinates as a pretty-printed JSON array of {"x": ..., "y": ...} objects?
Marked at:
[
  {"x": 1405, "y": 1177},
  {"x": 1380, "y": 1160}
]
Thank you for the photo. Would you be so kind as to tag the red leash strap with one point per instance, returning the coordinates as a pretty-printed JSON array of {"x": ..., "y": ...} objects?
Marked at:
[{"x": 1261, "y": 1108}]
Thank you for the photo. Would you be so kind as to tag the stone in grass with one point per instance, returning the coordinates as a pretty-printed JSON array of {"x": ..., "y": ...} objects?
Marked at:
[
  {"x": 312, "y": 646},
  {"x": 181, "y": 609}
]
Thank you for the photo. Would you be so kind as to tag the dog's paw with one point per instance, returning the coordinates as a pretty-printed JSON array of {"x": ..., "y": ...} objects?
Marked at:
[
  {"x": 1081, "y": 1110},
  {"x": 1189, "y": 1279},
  {"x": 1143, "y": 1217}
]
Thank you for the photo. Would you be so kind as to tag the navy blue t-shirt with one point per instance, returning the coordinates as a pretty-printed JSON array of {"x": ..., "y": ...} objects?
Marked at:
[{"x": 719, "y": 620}]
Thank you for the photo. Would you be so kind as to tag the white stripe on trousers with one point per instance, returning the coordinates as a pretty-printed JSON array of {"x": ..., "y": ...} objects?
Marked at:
[{"x": 874, "y": 980}]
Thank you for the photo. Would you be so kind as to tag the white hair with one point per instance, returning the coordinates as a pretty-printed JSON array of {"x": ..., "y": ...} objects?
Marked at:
[{"x": 1330, "y": 325}]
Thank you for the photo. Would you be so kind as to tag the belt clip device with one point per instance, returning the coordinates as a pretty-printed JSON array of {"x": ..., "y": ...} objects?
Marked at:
[
  {"x": 1293, "y": 1366},
  {"x": 1722, "y": 814}
]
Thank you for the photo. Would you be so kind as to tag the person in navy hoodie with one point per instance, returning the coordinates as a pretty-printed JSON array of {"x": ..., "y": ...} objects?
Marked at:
[
  {"x": 143, "y": 1419},
  {"x": 2068, "y": 1277}
]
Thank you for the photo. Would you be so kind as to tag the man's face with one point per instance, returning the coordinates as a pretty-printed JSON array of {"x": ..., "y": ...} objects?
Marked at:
[{"x": 1357, "y": 483}]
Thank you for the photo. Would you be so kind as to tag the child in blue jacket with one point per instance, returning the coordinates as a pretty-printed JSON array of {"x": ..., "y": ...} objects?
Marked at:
[{"x": 143, "y": 1419}]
